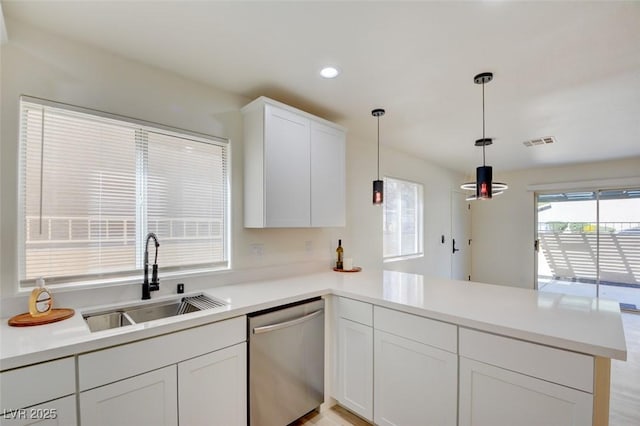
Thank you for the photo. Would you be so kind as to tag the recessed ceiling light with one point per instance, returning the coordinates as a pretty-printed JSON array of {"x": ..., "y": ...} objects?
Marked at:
[{"x": 329, "y": 72}]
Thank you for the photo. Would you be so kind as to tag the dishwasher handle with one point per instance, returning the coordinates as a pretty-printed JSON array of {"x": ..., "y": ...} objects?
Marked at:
[{"x": 281, "y": 325}]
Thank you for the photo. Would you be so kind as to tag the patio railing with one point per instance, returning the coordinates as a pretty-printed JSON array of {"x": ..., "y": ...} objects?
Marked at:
[{"x": 575, "y": 255}]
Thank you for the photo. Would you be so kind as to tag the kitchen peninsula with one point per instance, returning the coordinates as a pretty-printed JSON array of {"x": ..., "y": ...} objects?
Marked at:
[{"x": 477, "y": 350}]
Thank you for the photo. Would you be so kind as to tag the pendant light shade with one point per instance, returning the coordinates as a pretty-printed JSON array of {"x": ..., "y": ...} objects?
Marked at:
[
  {"x": 378, "y": 185},
  {"x": 484, "y": 186},
  {"x": 484, "y": 180},
  {"x": 378, "y": 192}
]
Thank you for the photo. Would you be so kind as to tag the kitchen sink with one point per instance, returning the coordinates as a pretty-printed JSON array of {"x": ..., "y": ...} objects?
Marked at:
[
  {"x": 144, "y": 312},
  {"x": 107, "y": 320},
  {"x": 155, "y": 311}
]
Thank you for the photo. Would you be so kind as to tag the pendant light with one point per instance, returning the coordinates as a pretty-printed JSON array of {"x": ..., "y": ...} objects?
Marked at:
[
  {"x": 484, "y": 187},
  {"x": 378, "y": 185}
]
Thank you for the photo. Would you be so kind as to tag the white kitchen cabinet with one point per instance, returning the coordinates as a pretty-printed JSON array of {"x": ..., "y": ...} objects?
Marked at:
[
  {"x": 414, "y": 383},
  {"x": 212, "y": 388},
  {"x": 492, "y": 396},
  {"x": 509, "y": 381},
  {"x": 565, "y": 368},
  {"x": 148, "y": 398},
  {"x": 395, "y": 368},
  {"x": 355, "y": 367},
  {"x": 287, "y": 155},
  {"x": 327, "y": 175},
  {"x": 294, "y": 168},
  {"x": 59, "y": 412},
  {"x": 138, "y": 357},
  {"x": 147, "y": 381},
  {"x": 24, "y": 392}
]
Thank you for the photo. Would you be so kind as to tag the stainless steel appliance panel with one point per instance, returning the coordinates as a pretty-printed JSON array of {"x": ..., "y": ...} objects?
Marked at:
[{"x": 286, "y": 363}]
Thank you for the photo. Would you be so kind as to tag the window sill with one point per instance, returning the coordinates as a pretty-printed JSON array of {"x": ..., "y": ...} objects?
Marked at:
[{"x": 125, "y": 280}]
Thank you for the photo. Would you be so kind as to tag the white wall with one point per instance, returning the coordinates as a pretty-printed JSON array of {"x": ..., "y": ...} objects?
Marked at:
[
  {"x": 365, "y": 219},
  {"x": 503, "y": 228},
  {"x": 41, "y": 64}
]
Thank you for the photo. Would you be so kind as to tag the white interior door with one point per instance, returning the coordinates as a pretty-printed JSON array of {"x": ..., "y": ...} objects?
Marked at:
[{"x": 460, "y": 244}]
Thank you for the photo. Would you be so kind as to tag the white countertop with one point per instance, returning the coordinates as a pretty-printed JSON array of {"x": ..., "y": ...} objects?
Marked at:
[{"x": 575, "y": 323}]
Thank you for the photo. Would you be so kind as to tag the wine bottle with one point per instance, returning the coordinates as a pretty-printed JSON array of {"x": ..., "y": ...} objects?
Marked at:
[{"x": 339, "y": 253}]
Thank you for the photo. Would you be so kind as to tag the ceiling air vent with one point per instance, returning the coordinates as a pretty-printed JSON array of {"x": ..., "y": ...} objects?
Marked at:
[{"x": 540, "y": 141}]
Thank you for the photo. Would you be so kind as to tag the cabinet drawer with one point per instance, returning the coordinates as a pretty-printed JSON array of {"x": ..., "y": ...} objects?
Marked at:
[
  {"x": 38, "y": 383},
  {"x": 424, "y": 330},
  {"x": 554, "y": 365},
  {"x": 355, "y": 311},
  {"x": 108, "y": 365}
]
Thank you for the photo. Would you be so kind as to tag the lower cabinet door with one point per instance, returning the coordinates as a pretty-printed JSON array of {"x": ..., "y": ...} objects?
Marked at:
[
  {"x": 148, "y": 399},
  {"x": 59, "y": 412},
  {"x": 355, "y": 367},
  {"x": 415, "y": 384},
  {"x": 492, "y": 396},
  {"x": 212, "y": 388}
]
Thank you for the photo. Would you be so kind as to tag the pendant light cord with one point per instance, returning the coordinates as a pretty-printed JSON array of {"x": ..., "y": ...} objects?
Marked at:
[
  {"x": 484, "y": 143},
  {"x": 378, "y": 147}
]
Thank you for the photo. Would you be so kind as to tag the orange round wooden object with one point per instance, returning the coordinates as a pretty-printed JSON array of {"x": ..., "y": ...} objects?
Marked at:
[
  {"x": 355, "y": 269},
  {"x": 26, "y": 320}
]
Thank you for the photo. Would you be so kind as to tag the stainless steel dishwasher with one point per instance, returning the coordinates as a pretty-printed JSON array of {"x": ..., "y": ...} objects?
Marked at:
[{"x": 286, "y": 363}]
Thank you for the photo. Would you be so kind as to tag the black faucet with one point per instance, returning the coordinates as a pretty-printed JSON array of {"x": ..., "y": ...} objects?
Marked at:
[{"x": 147, "y": 287}]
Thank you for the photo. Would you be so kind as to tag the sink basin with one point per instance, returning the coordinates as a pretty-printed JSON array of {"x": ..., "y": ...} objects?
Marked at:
[
  {"x": 144, "y": 312},
  {"x": 155, "y": 311},
  {"x": 107, "y": 320}
]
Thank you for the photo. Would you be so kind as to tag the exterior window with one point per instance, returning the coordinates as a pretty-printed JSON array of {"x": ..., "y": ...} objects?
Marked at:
[
  {"x": 402, "y": 221},
  {"x": 93, "y": 185}
]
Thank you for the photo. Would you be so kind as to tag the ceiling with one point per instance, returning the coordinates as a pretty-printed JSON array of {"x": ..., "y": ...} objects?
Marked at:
[{"x": 570, "y": 70}]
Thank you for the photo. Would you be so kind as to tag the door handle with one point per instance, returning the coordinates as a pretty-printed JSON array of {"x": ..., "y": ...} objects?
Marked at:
[
  {"x": 274, "y": 327},
  {"x": 454, "y": 246}
]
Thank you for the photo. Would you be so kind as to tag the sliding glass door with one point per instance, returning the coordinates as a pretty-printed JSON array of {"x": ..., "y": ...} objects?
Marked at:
[{"x": 588, "y": 243}]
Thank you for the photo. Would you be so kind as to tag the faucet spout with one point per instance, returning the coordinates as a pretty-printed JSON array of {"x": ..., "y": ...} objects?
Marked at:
[{"x": 154, "y": 285}]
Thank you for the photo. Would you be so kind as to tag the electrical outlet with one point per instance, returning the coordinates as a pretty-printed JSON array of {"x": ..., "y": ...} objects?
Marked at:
[
  {"x": 308, "y": 247},
  {"x": 257, "y": 249}
]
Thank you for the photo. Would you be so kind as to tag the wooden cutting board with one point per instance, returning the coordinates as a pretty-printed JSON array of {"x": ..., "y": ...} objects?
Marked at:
[
  {"x": 26, "y": 320},
  {"x": 355, "y": 269}
]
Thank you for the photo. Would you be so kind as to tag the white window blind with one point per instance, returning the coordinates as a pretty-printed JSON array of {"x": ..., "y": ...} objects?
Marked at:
[
  {"x": 93, "y": 185},
  {"x": 402, "y": 219}
]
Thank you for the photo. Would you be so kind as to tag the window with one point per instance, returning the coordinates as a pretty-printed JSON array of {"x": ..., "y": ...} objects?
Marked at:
[
  {"x": 402, "y": 221},
  {"x": 93, "y": 185},
  {"x": 588, "y": 243}
]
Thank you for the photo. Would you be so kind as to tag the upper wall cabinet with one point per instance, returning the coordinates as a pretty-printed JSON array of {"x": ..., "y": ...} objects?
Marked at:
[{"x": 294, "y": 168}]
